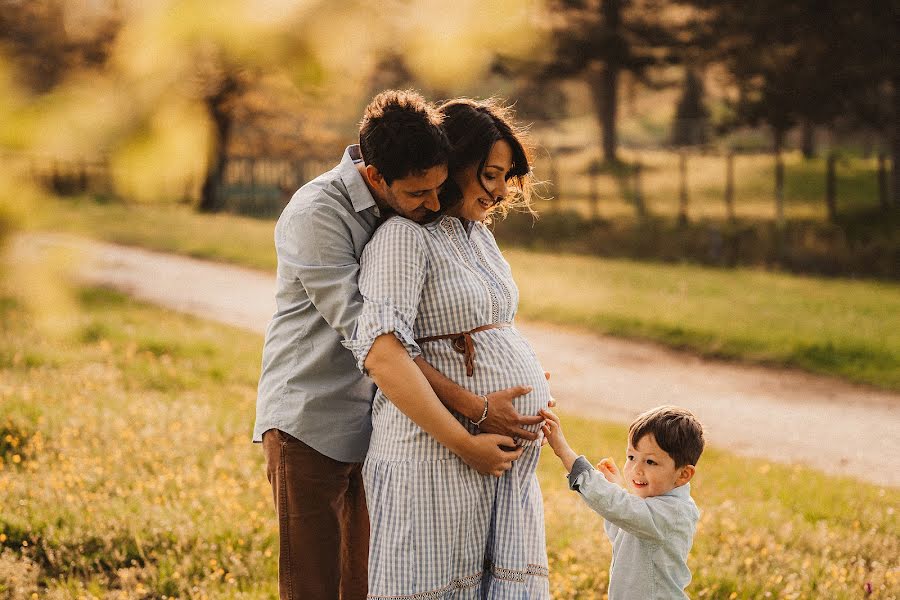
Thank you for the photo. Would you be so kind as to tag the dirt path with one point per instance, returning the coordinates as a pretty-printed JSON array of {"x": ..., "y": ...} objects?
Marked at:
[{"x": 777, "y": 415}]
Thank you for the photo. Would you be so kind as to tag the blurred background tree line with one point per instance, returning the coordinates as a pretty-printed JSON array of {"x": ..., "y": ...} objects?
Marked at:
[{"x": 717, "y": 131}]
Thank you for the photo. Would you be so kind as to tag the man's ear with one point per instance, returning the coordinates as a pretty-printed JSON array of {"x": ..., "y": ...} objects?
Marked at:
[
  {"x": 374, "y": 177},
  {"x": 685, "y": 475}
]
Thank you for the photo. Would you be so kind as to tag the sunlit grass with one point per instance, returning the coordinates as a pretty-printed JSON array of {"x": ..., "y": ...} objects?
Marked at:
[
  {"x": 839, "y": 327},
  {"x": 126, "y": 467},
  {"x": 126, "y": 471},
  {"x": 167, "y": 228}
]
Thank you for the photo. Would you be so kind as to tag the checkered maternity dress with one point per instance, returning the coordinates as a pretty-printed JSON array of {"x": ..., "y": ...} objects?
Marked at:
[{"x": 439, "y": 529}]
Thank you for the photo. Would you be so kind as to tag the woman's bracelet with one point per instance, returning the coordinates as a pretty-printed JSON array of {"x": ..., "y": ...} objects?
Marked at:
[{"x": 483, "y": 414}]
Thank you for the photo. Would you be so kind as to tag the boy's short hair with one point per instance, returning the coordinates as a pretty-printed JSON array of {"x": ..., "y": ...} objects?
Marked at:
[
  {"x": 400, "y": 134},
  {"x": 676, "y": 430}
]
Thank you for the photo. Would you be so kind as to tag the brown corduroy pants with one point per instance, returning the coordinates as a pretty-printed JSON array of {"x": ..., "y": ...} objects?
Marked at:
[{"x": 323, "y": 522}]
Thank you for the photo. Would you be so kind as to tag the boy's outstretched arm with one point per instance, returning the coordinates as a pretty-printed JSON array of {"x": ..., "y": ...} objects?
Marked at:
[{"x": 554, "y": 434}]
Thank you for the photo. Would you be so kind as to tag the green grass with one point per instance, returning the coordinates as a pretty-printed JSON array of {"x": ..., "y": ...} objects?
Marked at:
[
  {"x": 167, "y": 228},
  {"x": 840, "y": 327},
  {"x": 126, "y": 471}
]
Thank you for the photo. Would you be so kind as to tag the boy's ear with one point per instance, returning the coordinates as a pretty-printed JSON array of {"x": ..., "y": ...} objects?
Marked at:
[{"x": 685, "y": 475}]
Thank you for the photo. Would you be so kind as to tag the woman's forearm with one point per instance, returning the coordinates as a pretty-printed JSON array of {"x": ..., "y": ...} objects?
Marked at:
[{"x": 403, "y": 383}]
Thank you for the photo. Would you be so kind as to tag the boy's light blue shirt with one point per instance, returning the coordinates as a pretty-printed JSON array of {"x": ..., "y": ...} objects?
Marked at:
[
  {"x": 651, "y": 537},
  {"x": 310, "y": 387}
]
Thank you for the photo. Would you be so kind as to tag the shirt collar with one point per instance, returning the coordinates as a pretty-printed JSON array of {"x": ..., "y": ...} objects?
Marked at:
[
  {"x": 360, "y": 196},
  {"x": 682, "y": 491}
]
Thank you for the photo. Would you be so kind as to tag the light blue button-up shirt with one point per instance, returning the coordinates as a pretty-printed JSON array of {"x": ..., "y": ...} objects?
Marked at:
[
  {"x": 651, "y": 537},
  {"x": 310, "y": 387}
]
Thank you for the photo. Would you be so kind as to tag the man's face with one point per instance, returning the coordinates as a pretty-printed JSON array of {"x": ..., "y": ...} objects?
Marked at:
[{"x": 414, "y": 196}]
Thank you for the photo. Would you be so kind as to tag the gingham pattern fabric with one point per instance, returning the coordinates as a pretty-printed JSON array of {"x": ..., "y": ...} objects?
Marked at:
[{"x": 438, "y": 528}]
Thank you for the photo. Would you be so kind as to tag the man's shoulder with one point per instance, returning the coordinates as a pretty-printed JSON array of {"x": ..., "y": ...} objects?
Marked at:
[{"x": 324, "y": 198}]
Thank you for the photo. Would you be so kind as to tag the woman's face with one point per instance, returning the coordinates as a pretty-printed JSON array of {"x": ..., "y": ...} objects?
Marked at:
[{"x": 480, "y": 194}]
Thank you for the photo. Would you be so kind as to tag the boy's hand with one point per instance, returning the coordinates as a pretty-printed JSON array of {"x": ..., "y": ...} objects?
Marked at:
[
  {"x": 610, "y": 470},
  {"x": 553, "y": 432}
]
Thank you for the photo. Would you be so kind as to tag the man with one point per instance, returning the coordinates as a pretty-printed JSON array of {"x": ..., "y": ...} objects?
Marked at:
[{"x": 313, "y": 408}]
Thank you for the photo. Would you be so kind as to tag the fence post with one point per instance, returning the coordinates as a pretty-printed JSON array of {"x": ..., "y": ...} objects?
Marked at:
[
  {"x": 882, "y": 183},
  {"x": 639, "y": 190},
  {"x": 729, "y": 186},
  {"x": 831, "y": 187},
  {"x": 779, "y": 188},
  {"x": 683, "y": 195}
]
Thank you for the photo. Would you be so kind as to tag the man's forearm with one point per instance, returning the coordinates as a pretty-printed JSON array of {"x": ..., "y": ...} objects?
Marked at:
[{"x": 451, "y": 394}]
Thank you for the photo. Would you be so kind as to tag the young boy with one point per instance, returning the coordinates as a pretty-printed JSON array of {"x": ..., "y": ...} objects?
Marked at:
[{"x": 652, "y": 529}]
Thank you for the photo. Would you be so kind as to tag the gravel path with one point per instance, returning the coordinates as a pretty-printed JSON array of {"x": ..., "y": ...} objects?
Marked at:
[{"x": 778, "y": 415}]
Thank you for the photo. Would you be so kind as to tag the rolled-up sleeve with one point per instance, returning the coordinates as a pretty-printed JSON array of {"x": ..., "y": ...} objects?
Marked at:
[{"x": 392, "y": 273}]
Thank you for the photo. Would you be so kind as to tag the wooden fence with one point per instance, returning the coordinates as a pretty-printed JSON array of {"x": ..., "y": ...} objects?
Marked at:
[{"x": 692, "y": 184}]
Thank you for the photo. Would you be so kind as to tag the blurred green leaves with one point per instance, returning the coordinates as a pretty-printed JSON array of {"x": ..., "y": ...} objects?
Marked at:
[{"x": 140, "y": 84}]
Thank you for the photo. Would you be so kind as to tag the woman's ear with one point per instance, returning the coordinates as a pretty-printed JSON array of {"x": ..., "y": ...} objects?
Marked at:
[{"x": 685, "y": 474}]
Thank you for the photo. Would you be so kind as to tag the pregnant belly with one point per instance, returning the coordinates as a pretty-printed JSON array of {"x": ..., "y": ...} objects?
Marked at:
[{"x": 503, "y": 359}]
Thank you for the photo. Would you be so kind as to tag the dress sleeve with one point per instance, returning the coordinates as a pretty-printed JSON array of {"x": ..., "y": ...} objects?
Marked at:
[{"x": 392, "y": 274}]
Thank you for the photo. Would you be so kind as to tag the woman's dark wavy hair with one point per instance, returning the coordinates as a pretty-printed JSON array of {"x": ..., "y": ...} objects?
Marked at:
[
  {"x": 400, "y": 134},
  {"x": 473, "y": 127}
]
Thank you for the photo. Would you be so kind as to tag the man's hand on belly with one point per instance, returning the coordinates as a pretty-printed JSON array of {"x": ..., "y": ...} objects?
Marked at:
[{"x": 504, "y": 419}]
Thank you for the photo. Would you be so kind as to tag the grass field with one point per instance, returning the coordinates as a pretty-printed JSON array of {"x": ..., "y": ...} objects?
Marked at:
[
  {"x": 840, "y": 327},
  {"x": 126, "y": 471}
]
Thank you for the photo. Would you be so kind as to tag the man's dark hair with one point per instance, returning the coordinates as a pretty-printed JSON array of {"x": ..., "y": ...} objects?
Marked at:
[
  {"x": 400, "y": 134},
  {"x": 676, "y": 430}
]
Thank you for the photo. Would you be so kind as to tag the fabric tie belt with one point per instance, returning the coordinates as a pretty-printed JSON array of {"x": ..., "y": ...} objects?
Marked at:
[{"x": 462, "y": 343}]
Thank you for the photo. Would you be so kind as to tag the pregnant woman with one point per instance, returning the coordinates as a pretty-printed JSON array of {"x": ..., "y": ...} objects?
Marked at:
[{"x": 443, "y": 291}]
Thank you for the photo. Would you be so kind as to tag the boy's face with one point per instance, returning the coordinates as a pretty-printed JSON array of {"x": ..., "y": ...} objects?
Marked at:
[{"x": 650, "y": 471}]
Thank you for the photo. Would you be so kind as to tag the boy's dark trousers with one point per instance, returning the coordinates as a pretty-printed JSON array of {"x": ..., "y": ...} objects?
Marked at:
[{"x": 323, "y": 522}]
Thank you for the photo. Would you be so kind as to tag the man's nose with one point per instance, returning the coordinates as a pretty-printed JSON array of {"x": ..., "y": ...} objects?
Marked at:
[{"x": 432, "y": 202}]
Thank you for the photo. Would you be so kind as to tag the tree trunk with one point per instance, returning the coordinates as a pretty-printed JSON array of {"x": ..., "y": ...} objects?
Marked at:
[
  {"x": 604, "y": 83},
  {"x": 883, "y": 200},
  {"x": 210, "y": 199},
  {"x": 831, "y": 187},
  {"x": 683, "y": 194},
  {"x": 610, "y": 106},
  {"x": 779, "y": 179},
  {"x": 808, "y": 139}
]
